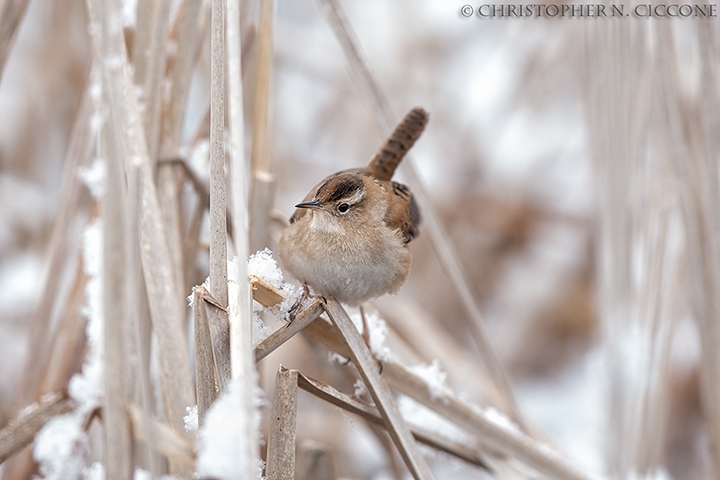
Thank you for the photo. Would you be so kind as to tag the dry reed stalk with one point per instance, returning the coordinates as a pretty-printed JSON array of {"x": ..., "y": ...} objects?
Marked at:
[
  {"x": 283, "y": 421},
  {"x": 21, "y": 430},
  {"x": 11, "y": 14},
  {"x": 166, "y": 440},
  {"x": 67, "y": 352},
  {"x": 241, "y": 351},
  {"x": 218, "y": 227},
  {"x": 442, "y": 246},
  {"x": 379, "y": 390},
  {"x": 117, "y": 445},
  {"x": 470, "y": 453},
  {"x": 264, "y": 184}
]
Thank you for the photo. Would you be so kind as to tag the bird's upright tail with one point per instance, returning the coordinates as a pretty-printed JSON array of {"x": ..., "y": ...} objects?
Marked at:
[{"x": 386, "y": 160}]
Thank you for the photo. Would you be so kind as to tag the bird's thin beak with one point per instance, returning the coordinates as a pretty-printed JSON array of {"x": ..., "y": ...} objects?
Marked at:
[{"x": 313, "y": 204}]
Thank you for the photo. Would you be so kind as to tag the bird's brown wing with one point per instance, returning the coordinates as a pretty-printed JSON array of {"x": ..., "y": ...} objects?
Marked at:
[{"x": 403, "y": 213}]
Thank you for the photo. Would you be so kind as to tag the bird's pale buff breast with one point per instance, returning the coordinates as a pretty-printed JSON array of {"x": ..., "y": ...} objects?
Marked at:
[{"x": 365, "y": 264}]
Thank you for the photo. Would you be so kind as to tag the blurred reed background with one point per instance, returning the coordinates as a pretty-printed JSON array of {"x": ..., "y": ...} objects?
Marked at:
[{"x": 572, "y": 163}]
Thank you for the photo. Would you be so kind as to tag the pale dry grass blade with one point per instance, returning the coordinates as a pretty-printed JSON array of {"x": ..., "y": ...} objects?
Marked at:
[
  {"x": 166, "y": 440},
  {"x": 260, "y": 153},
  {"x": 470, "y": 453},
  {"x": 241, "y": 351},
  {"x": 432, "y": 225},
  {"x": 283, "y": 424},
  {"x": 218, "y": 227},
  {"x": 118, "y": 453},
  {"x": 380, "y": 392},
  {"x": 20, "y": 431},
  {"x": 264, "y": 184}
]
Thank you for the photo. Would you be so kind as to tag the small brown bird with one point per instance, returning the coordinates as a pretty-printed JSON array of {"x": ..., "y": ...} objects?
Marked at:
[{"x": 349, "y": 236}]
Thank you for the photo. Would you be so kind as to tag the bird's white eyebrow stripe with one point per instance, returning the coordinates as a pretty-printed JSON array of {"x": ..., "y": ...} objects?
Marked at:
[{"x": 356, "y": 197}]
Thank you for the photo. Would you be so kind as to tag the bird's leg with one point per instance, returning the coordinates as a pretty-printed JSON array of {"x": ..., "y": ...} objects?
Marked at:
[
  {"x": 366, "y": 337},
  {"x": 366, "y": 329},
  {"x": 297, "y": 306}
]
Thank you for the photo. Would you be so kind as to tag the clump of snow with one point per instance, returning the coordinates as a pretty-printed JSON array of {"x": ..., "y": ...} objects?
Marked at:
[
  {"x": 378, "y": 333},
  {"x": 334, "y": 357},
  {"x": 260, "y": 330},
  {"x": 60, "y": 446},
  {"x": 360, "y": 388},
  {"x": 191, "y": 419},
  {"x": 94, "y": 176},
  {"x": 222, "y": 439},
  {"x": 262, "y": 264},
  {"x": 96, "y": 471},
  {"x": 434, "y": 376},
  {"x": 499, "y": 419}
]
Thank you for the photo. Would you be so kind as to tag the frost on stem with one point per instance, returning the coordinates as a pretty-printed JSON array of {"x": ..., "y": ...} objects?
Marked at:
[{"x": 61, "y": 445}]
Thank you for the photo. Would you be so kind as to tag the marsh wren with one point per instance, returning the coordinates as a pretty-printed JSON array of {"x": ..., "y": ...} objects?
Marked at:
[{"x": 348, "y": 237}]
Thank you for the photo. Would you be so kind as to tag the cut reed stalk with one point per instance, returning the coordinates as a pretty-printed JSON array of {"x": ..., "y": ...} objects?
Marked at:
[{"x": 283, "y": 422}]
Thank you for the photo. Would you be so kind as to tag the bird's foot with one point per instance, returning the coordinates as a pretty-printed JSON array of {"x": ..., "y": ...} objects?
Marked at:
[{"x": 298, "y": 305}]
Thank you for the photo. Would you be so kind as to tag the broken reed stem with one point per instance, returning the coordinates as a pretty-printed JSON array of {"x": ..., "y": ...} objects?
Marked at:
[
  {"x": 218, "y": 227},
  {"x": 167, "y": 440},
  {"x": 440, "y": 241},
  {"x": 283, "y": 421}
]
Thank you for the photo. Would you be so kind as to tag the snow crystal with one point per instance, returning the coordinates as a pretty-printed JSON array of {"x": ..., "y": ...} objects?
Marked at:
[
  {"x": 360, "y": 388},
  {"x": 434, "y": 377},
  {"x": 260, "y": 331},
  {"x": 191, "y": 419},
  {"x": 58, "y": 447},
  {"x": 262, "y": 264},
  {"x": 94, "y": 176},
  {"x": 96, "y": 471}
]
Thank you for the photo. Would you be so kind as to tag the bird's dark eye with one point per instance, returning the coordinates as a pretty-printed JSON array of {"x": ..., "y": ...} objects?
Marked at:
[{"x": 343, "y": 207}]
